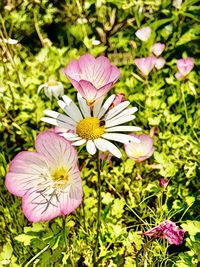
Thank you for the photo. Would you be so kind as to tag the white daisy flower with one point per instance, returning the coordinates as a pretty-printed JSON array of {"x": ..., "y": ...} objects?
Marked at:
[
  {"x": 52, "y": 88},
  {"x": 95, "y": 126}
]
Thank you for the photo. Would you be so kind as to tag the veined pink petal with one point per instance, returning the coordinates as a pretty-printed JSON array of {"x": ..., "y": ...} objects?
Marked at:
[
  {"x": 89, "y": 91},
  {"x": 40, "y": 205},
  {"x": 73, "y": 70},
  {"x": 185, "y": 65},
  {"x": 24, "y": 172},
  {"x": 145, "y": 65},
  {"x": 57, "y": 151},
  {"x": 87, "y": 64}
]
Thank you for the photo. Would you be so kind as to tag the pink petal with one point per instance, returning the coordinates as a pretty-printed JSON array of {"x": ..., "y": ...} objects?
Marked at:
[
  {"x": 87, "y": 65},
  {"x": 73, "y": 70},
  {"x": 115, "y": 74},
  {"x": 71, "y": 198},
  {"x": 56, "y": 150},
  {"x": 89, "y": 91},
  {"x": 24, "y": 172},
  {"x": 40, "y": 206}
]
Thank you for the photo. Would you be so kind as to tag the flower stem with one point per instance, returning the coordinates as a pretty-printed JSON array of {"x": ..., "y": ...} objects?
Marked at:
[
  {"x": 98, "y": 210},
  {"x": 64, "y": 231}
]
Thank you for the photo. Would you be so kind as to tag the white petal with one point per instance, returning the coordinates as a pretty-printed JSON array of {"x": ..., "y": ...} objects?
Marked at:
[
  {"x": 100, "y": 144},
  {"x": 58, "y": 123},
  {"x": 97, "y": 106},
  {"x": 59, "y": 116},
  {"x": 126, "y": 112},
  {"x": 111, "y": 148},
  {"x": 71, "y": 136},
  {"x": 90, "y": 146},
  {"x": 83, "y": 106},
  {"x": 122, "y": 138},
  {"x": 120, "y": 120},
  {"x": 41, "y": 87},
  {"x": 105, "y": 106},
  {"x": 79, "y": 142},
  {"x": 123, "y": 129},
  {"x": 116, "y": 110},
  {"x": 70, "y": 108}
]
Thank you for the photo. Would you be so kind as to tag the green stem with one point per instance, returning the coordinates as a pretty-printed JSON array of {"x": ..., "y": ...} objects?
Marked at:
[
  {"x": 184, "y": 103},
  {"x": 98, "y": 210},
  {"x": 64, "y": 231}
]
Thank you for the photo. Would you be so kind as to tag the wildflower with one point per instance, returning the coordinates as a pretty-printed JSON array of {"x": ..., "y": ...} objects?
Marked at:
[
  {"x": 143, "y": 34},
  {"x": 160, "y": 62},
  {"x": 163, "y": 182},
  {"x": 140, "y": 151},
  {"x": 184, "y": 65},
  {"x": 94, "y": 127},
  {"x": 157, "y": 49},
  {"x": 106, "y": 156},
  {"x": 92, "y": 77},
  {"x": 119, "y": 98},
  {"x": 52, "y": 88},
  {"x": 48, "y": 180},
  {"x": 177, "y": 3},
  {"x": 168, "y": 230},
  {"x": 145, "y": 64}
]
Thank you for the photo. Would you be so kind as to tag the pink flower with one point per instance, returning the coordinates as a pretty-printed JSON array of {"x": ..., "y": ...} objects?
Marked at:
[
  {"x": 185, "y": 65},
  {"x": 119, "y": 98},
  {"x": 143, "y": 34},
  {"x": 92, "y": 77},
  {"x": 168, "y": 230},
  {"x": 140, "y": 151},
  {"x": 145, "y": 64},
  {"x": 160, "y": 62},
  {"x": 157, "y": 49},
  {"x": 105, "y": 156},
  {"x": 163, "y": 182},
  {"x": 48, "y": 180}
]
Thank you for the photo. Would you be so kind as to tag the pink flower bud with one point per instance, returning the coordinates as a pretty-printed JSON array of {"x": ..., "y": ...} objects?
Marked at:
[
  {"x": 157, "y": 49},
  {"x": 143, "y": 34},
  {"x": 163, "y": 182},
  {"x": 140, "y": 151},
  {"x": 145, "y": 64},
  {"x": 185, "y": 65},
  {"x": 119, "y": 98},
  {"x": 160, "y": 62},
  {"x": 179, "y": 76}
]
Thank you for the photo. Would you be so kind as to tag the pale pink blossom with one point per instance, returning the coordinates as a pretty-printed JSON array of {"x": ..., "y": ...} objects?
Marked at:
[
  {"x": 145, "y": 65},
  {"x": 92, "y": 77},
  {"x": 163, "y": 182},
  {"x": 106, "y": 156},
  {"x": 48, "y": 180},
  {"x": 168, "y": 230},
  {"x": 160, "y": 62},
  {"x": 119, "y": 98},
  {"x": 140, "y": 151},
  {"x": 157, "y": 49},
  {"x": 179, "y": 76},
  {"x": 177, "y": 3},
  {"x": 143, "y": 34},
  {"x": 185, "y": 65}
]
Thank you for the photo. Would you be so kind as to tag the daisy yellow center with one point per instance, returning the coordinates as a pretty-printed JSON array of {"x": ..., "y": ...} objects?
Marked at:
[
  {"x": 60, "y": 176},
  {"x": 52, "y": 83},
  {"x": 90, "y": 128}
]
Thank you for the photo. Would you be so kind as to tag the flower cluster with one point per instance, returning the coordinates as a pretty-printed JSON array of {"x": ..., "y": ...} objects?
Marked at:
[{"x": 48, "y": 180}]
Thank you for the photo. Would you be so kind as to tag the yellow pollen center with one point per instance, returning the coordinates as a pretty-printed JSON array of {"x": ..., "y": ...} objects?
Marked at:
[
  {"x": 52, "y": 83},
  {"x": 90, "y": 128},
  {"x": 60, "y": 176}
]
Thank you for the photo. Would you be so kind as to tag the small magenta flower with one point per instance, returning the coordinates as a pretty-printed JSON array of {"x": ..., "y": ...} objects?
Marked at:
[
  {"x": 143, "y": 34},
  {"x": 119, "y": 98},
  {"x": 184, "y": 65},
  {"x": 168, "y": 230},
  {"x": 163, "y": 182},
  {"x": 145, "y": 64},
  {"x": 160, "y": 62},
  {"x": 140, "y": 151},
  {"x": 48, "y": 180},
  {"x": 52, "y": 88},
  {"x": 92, "y": 77},
  {"x": 157, "y": 49}
]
